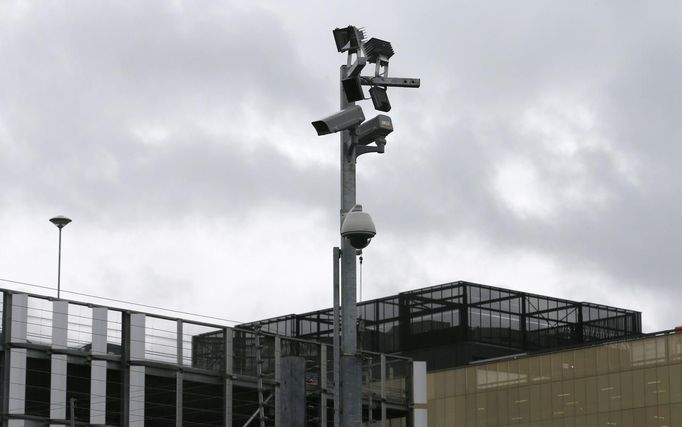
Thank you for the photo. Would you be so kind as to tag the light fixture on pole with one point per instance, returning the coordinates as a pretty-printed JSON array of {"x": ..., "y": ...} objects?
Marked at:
[
  {"x": 358, "y": 137},
  {"x": 60, "y": 222},
  {"x": 379, "y": 52}
]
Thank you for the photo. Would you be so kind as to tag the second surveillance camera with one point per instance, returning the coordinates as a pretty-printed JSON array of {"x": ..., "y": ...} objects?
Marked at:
[
  {"x": 345, "y": 119},
  {"x": 358, "y": 227},
  {"x": 374, "y": 129}
]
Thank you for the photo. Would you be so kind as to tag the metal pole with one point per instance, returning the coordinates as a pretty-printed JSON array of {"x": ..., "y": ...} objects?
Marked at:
[
  {"x": 351, "y": 393},
  {"x": 370, "y": 420},
  {"x": 336, "y": 337},
  {"x": 72, "y": 401},
  {"x": 360, "y": 280},
  {"x": 59, "y": 263}
]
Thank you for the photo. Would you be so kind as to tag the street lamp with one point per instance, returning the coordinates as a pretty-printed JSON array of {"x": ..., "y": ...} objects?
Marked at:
[
  {"x": 60, "y": 221},
  {"x": 358, "y": 137}
]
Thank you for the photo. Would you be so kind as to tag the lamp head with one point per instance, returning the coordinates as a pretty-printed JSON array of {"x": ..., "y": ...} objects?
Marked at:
[{"x": 60, "y": 221}]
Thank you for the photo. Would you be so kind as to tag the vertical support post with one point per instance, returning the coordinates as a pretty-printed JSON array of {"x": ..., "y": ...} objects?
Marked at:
[
  {"x": 351, "y": 393},
  {"x": 178, "y": 376},
  {"x": 382, "y": 362},
  {"x": 98, "y": 368},
  {"x": 72, "y": 411},
  {"x": 19, "y": 325},
  {"x": 419, "y": 396},
  {"x": 323, "y": 385},
  {"x": 524, "y": 323},
  {"x": 58, "y": 362},
  {"x": 136, "y": 372},
  {"x": 60, "y": 323},
  {"x": 98, "y": 392},
  {"x": 125, "y": 368},
  {"x": 292, "y": 409},
  {"x": 259, "y": 376},
  {"x": 6, "y": 326},
  {"x": 59, "y": 264},
  {"x": 404, "y": 320},
  {"x": 228, "y": 349},
  {"x": 336, "y": 338},
  {"x": 370, "y": 401},
  {"x": 137, "y": 336},
  {"x": 464, "y": 312},
  {"x": 17, "y": 358},
  {"x": 278, "y": 379},
  {"x": 137, "y": 396},
  {"x": 581, "y": 329}
]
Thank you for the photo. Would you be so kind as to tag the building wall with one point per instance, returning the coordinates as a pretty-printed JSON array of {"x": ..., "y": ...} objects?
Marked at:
[{"x": 634, "y": 383}]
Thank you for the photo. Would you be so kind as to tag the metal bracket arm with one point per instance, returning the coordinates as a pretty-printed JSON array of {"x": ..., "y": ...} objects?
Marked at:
[
  {"x": 356, "y": 68},
  {"x": 357, "y": 150},
  {"x": 390, "y": 81}
]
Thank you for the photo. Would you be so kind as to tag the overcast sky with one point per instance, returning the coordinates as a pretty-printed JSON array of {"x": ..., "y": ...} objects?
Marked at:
[{"x": 542, "y": 152}]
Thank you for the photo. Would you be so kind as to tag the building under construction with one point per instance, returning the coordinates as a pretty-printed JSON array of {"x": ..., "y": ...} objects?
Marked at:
[{"x": 72, "y": 363}]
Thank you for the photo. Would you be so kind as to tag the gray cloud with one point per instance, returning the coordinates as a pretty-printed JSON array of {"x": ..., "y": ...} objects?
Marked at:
[{"x": 539, "y": 127}]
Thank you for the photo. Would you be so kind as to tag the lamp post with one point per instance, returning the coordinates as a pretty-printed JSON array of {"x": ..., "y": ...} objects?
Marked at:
[
  {"x": 357, "y": 137},
  {"x": 60, "y": 221}
]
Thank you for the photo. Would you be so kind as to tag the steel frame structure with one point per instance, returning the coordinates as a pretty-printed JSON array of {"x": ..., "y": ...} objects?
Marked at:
[{"x": 478, "y": 321}]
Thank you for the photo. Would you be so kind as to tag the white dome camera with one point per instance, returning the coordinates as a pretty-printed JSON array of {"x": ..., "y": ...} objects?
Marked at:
[{"x": 358, "y": 227}]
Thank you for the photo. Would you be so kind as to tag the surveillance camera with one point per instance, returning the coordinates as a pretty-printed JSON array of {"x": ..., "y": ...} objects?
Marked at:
[
  {"x": 345, "y": 119},
  {"x": 374, "y": 129},
  {"x": 358, "y": 227}
]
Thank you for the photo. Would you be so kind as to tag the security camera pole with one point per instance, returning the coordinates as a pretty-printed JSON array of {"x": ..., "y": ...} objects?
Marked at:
[
  {"x": 355, "y": 141},
  {"x": 350, "y": 369}
]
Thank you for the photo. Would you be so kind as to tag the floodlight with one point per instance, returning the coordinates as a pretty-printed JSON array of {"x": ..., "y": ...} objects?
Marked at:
[
  {"x": 348, "y": 39},
  {"x": 352, "y": 87},
  {"x": 380, "y": 98},
  {"x": 378, "y": 50}
]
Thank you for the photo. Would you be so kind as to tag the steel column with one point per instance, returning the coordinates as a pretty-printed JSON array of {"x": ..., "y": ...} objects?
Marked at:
[{"x": 351, "y": 393}]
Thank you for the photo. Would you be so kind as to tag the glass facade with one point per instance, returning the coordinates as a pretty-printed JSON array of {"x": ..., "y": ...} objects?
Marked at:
[{"x": 633, "y": 383}]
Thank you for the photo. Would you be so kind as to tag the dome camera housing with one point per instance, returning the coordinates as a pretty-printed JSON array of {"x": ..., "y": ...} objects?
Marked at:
[{"x": 358, "y": 227}]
